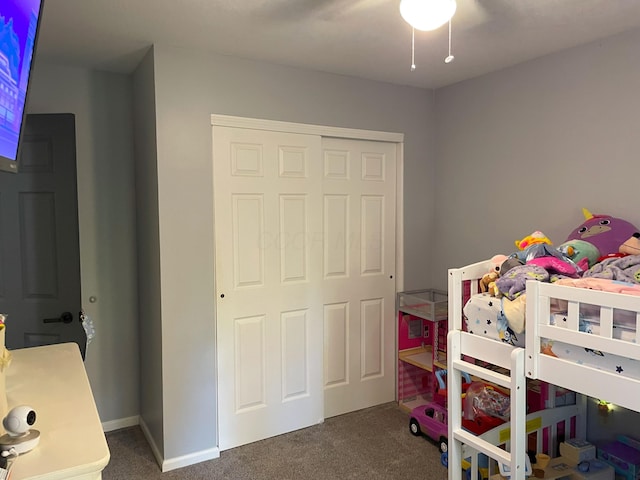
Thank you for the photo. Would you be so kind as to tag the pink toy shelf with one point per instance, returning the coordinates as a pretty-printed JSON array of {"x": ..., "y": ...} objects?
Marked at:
[{"x": 422, "y": 344}]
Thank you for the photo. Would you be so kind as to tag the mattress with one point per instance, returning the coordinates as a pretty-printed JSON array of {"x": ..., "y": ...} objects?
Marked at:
[{"x": 484, "y": 316}]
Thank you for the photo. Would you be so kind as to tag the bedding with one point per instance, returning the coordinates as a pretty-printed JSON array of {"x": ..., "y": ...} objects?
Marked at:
[
  {"x": 622, "y": 366},
  {"x": 484, "y": 315},
  {"x": 603, "y": 284},
  {"x": 617, "y": 275},
  {"x": 625, "y": 269}
]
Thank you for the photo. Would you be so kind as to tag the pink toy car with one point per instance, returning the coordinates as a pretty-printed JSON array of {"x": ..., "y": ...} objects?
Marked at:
[{"x": 431, "y": 420}]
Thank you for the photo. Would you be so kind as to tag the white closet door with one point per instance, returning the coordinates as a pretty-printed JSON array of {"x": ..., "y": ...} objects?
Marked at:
[
  {"x": 358, "y": 289},
  {"x": 268, "y": 234}
]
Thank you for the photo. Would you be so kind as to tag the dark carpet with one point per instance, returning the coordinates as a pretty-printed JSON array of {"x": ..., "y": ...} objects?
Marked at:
[{"x": 370, "y": 444}]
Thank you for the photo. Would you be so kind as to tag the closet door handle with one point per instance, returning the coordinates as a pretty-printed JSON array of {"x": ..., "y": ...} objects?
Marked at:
[{"x": 66, "y": 317}]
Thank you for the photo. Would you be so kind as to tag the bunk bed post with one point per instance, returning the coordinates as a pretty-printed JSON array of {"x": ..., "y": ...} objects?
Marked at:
[
  {"x": 455, "y": 296},
  {"x": 454, "y": 402},
  {"x": 518, "y": 415},
  {"x": 532, "y": 340}
]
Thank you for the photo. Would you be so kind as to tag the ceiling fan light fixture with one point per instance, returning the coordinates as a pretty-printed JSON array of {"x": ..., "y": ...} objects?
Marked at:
[{"x": 427, "y": 15}]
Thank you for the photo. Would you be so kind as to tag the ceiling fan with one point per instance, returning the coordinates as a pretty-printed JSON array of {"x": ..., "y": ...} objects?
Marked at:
[
  {"x": 428, "y": 15},
  {"x": 478, "y": 10},
  {"x": 316, "y": 9},
  {"x": 471, "y": 12}
]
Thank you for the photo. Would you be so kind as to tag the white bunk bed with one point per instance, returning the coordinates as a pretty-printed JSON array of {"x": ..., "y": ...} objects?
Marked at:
[{"x": 528, "y": 362}]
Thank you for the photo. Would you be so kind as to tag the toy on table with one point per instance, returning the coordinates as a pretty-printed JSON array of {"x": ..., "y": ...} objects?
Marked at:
[
  {"x": 577, "y": 451},
  {"x": 582, "y": 454}
]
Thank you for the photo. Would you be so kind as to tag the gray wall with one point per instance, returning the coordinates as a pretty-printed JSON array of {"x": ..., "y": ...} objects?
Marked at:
[
  {"x": 148, "y": 245},
  {"x": 101, "y": 103},
  {"x": 190, "y": 86},
  {"x": 526, "y": 148}
]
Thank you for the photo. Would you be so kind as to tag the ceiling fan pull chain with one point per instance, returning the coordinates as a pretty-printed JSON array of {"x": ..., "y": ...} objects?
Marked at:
[
  {"x": 450, "y": 57},
  {"x": 413, "y": 49}
]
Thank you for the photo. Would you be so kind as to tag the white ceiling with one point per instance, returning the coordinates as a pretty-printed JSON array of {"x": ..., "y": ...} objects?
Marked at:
[{"x": 363, "y": 38}]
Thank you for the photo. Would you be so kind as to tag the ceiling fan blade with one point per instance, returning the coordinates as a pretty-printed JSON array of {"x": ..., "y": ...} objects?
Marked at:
[
  {"x": 295, "y": 10},
  {"x": 474, "y": 14},
  {"x": 471, "y": 13}
]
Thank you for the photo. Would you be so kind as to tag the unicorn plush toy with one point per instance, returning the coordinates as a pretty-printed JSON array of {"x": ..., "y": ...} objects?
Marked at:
[{"x": 605, "y": 232}]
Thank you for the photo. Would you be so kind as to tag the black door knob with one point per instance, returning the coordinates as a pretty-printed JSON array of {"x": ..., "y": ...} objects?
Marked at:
[{"x": 66, "y": 317}]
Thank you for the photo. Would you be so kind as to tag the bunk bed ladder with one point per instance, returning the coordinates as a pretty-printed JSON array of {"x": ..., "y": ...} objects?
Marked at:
[{"x": 516, "y": 382}]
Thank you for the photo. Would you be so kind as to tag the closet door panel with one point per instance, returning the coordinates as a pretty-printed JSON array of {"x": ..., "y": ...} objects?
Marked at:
[
  {"x": 269, "y": 312},
  {"x": 359, "y": 189}
]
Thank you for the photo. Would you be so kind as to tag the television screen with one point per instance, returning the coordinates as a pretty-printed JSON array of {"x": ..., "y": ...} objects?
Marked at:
[{"x": 19, "y": 21}]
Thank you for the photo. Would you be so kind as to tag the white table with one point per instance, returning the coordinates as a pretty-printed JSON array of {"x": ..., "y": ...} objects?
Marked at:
[{"x": 52, "y": 380}]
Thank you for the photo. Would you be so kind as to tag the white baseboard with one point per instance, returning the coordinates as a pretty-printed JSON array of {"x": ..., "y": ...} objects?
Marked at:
[
  {"x": 154, "y": 448},
  {"x": 120, "y": 423},
  {"x": 178, "y": 462},
  {"x": 191, "y": 459}
]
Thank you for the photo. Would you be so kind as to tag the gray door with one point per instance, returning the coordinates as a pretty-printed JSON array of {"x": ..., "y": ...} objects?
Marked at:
[{"x": 39, "y": 247}]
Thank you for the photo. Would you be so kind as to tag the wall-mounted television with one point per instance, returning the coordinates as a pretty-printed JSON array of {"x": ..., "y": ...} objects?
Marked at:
[{"x": 19, "y": 25}]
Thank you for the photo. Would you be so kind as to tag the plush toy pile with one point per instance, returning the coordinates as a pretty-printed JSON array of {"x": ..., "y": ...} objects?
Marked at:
[{"x": 602, "y": 247}]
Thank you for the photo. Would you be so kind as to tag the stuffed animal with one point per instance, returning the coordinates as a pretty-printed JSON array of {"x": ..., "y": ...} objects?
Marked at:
[
  {"x": 555, "y": 264},
  {"x": 497, "y": 261},
  {"x": 487, "y": 282},
  {"x": 508, "y": 264},
  {"x": 536, "y": 250},
  {"x": 605, "y": 232},
  {"x": 583, "y": 254},
  {"x": 632, "y": 245},
  {"x": 534, "y": 238},
  {"x": 534, "y": 246}
]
